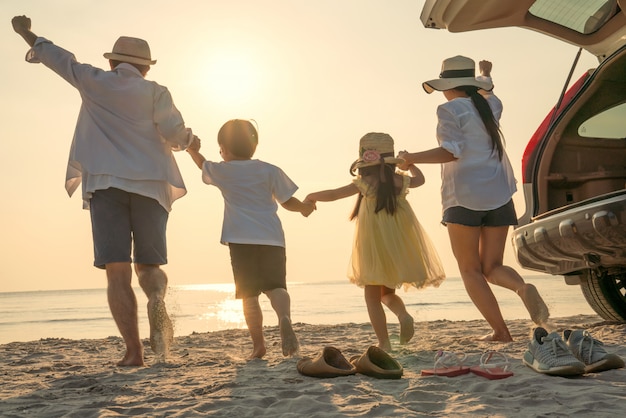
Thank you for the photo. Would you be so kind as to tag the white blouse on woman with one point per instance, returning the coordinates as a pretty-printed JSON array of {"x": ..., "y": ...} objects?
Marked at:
[{"x": 478, "y": 179}]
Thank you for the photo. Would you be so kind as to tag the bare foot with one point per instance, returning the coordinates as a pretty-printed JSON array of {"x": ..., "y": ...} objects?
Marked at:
[
  {"x": 161, "y": 329},
  {"x": 385, "y": 347},
  {"x": 131, "y": 360},
  {"x": 496, "y": 337},
  {"x": 535, "y": 305},
  {"x": 258, "y": 352},
  {"x": 288, "y": 338},
  {"x": 548, "y": 326},
  {"x": 407, "y": 330}
]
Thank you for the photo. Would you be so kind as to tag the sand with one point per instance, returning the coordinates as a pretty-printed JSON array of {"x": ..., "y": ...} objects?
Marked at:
[{"x": 207, "y": 374}]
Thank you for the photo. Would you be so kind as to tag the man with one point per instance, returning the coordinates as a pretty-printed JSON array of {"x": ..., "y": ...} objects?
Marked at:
[{"x": 122, "y": 152}]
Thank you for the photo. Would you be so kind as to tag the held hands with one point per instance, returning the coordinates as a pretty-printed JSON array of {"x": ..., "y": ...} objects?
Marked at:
[
  {"x": 195, "y": 144},
  {"x": 310, "y": 204},
  {"x": 310, "y": 198},
  {"x": 404, "y": 155},
  {"x": 194, "y": 152},
  {"x": 295, "y": 205},
  {"x": 307, "y": 208}
]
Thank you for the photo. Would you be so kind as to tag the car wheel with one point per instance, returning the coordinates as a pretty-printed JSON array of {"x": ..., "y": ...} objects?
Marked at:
[{"x": 606, "y": 293}]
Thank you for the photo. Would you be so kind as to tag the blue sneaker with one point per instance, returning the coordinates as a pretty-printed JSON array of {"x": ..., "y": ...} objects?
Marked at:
[
  {"x": 548, "y": 354},
  {"x": 591, "y": 351}
]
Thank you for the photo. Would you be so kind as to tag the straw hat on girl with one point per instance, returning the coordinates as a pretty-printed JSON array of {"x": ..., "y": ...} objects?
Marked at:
[{"x": 375, "y": 148}]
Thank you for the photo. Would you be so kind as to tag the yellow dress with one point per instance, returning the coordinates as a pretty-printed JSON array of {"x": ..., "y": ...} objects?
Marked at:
[{"x": 392, "y": 250}]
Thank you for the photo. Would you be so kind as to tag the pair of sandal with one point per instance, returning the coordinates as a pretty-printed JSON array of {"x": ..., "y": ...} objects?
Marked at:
[
  {"x": 493, "y": 365},
  {"x": 375, "y": 362}
]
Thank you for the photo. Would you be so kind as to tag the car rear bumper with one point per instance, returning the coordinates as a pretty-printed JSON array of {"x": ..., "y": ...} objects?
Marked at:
[{"x": 589, "y": 234}]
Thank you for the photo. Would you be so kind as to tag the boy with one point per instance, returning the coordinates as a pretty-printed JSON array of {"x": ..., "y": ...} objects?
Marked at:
[{"x": 251, "y": 227}]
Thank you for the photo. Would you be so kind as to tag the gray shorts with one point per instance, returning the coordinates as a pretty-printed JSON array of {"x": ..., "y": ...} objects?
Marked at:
[
  {"x": 502, "y": 216},
  {"x": 123, "y": 222},
  {"x": 257, "y": 268}
]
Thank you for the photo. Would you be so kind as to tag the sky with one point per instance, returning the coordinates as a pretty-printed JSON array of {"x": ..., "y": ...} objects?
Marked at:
[{"x": 315, "y": 75}]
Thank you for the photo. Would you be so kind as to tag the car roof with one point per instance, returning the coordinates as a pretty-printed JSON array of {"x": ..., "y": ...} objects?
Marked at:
[{"x": 598, "y": 26}]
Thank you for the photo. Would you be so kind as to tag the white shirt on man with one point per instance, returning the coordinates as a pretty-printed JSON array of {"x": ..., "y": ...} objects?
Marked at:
[{"x": 126, "y": 130}]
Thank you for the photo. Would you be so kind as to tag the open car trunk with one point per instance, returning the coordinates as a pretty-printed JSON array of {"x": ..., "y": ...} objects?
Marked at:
[
  {"x": 576, "y": 161},
  {"x": 598, "y": 26}
]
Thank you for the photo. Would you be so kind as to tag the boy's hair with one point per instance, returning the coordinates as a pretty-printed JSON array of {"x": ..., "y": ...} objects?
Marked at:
[{"x": 239, "y": 137}]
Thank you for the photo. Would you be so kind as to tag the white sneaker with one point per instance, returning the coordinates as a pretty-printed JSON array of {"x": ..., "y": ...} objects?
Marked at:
[
  {"x": 591, "y": 351},
  {"x": 548, "y": 354}
]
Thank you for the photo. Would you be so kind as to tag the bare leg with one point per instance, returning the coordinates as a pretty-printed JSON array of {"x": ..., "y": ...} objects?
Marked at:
[
  {"x": 153, "y": 281},
  {"x": 537, "y": 308},
  {"x": 396, "y": 305},
  {"x": 254, "y": 319},
  {"x": 281, "y": 303},
  {"x": 506, "y": 277},
  {"x": 465, "y": 241},
  {"x": 377, "y": 316},
  {"x": 123, "y": 306},
  {"x": 492, "y": 250}
]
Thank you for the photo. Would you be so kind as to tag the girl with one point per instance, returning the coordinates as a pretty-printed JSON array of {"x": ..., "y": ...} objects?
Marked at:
[
  {"x": 477, "y": 186},
  {"x": 390, "y": 247}
]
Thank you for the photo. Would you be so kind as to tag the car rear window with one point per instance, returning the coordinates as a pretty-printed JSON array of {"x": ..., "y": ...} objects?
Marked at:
[
  {"x": 583, "y": 16},
  {"x": 608, "y": 124}
]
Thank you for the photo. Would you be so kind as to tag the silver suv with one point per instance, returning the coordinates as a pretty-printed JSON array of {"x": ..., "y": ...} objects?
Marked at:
[{"x": 574, "y": 167}]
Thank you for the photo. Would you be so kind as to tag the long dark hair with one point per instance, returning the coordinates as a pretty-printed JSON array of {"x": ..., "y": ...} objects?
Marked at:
[
  {"x": 484, "y": 110},
  {"x": 386, "y": 196}
]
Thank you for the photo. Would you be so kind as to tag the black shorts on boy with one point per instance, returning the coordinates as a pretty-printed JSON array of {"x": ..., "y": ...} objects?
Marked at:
[{"x": 257, "y": 268}]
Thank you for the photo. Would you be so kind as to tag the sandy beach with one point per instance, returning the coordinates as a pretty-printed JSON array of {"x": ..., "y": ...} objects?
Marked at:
[{"x": 207, "y": 375}]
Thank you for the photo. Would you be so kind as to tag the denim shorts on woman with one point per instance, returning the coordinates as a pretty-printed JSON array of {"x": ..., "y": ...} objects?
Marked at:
[
  {"x": 122, "y": 222},
  {"x": 502, "y": 216},
  {"x": 257, "y": 268}
]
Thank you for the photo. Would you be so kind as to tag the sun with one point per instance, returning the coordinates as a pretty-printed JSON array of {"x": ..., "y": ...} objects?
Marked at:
[{"x": 232, "y": 75}]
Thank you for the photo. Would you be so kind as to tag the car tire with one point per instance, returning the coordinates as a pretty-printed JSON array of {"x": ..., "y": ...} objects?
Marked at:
[{"x": 606, "y": 293}]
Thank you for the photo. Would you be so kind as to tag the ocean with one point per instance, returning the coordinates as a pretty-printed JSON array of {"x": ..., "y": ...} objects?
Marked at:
[{"x": 84, "y": 313}]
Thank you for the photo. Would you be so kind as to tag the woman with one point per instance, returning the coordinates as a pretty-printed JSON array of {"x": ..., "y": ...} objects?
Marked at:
[{"x": 477, "y": 186}]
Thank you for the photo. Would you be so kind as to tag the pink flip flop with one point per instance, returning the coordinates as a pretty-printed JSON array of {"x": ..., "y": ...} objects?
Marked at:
[
  {"x": 493, "y": 370},
  {"x": 447, "y": 364}
]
